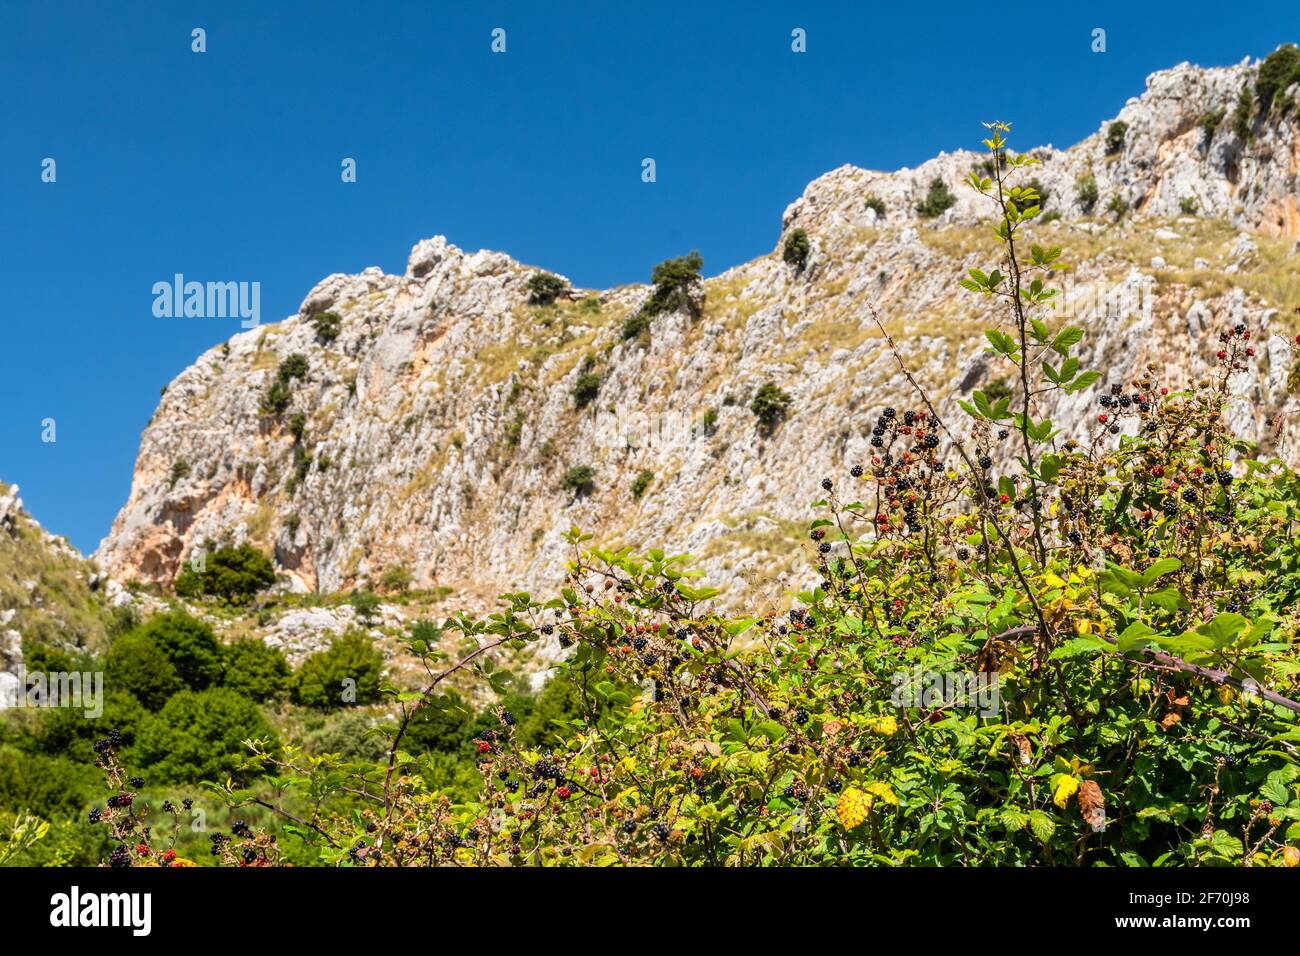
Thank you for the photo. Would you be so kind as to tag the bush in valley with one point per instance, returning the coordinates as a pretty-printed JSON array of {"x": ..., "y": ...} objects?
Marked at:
[
  {"x": 232, "y": 574},
  {"x": 189, "y": 645},
  {"x": 771, "y": 404},
  {"x": 1115, "y": 134},
  {"x": 256, "y": 670},
  {"x": 138, "y": 666},
  {"x": 199, "y": 735},
  {"x": 544, "y": 288},
  {"x": 938, "y": 199},
  {"x": 796, "y": 249},
  {"x": 345, "y": 674},
  {"x": 397, "y": 579},
  {"x": 580, "y": 479}
]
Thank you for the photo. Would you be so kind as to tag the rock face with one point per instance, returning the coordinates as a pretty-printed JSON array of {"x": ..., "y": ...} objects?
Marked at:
[{"x": 438, "y": 426}]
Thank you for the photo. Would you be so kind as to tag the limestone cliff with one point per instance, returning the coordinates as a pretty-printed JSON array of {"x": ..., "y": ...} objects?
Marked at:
[{"x": 439, "y": 424}]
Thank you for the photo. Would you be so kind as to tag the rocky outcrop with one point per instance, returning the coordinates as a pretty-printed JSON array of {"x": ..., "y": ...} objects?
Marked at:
[{"x": 438, "y": 426}]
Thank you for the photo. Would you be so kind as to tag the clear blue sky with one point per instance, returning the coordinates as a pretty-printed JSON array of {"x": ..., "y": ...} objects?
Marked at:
[{"x": 225, "y": 165}]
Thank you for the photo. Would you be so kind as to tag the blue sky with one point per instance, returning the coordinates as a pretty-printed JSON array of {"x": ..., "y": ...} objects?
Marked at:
[{"x": 225, "y": 165}]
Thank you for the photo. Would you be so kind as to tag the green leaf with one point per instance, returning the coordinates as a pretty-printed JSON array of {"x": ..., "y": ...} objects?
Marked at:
[
  {"x": 1158, "y": 570},
  {"x": 1067, "y": 337}
]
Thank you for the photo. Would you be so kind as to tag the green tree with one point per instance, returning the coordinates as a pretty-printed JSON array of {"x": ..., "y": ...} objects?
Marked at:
[
  {"x": 544, "y": 288},
  {"x": 1115, "y": 134},
  {"x": 771, "y": 404},
  {"x": 938, "y": 199},
  {"x": 256, "y": 670},
  {"x": 199, "y": 735},
  {"x": 234, "y": 575},
  {"x": 138, "y": 666},
  {"x": 796, "y": 249},
  {"x": 345, "y": 674},
  {"x": 189, "y": 645}
]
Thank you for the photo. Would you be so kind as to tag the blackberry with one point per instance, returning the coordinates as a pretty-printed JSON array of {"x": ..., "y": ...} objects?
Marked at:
[
  {"x": 508, "y": 718},
  {"x": 1198, "y": 578},
  {"x": 909, "y": 417},
  {"x": 827, "y": 484},
  {"x": 1003, "y": 433},
  {"x": 878, "y": 430},
  {"x": 250, "y": 855},
  {"x": 834, "y": 785},
  {"x": 1189, "y": 495},
  {"x": 856, "y": 471},
  {"x": 115, "y": 738},
  {"x": 119, "y": 857},
  {"x": 877, "y": 442},
  {"x": 512, "y": 785},
  {"x": 1114, "y": 429},
  {"x": 824, "y": 547},
  {"x": 931, "y": 440},
  {"x": 137, "y": 782},
  {"x": 187, "y": 803},
  {"x": 1075, "y": 537},
  {"x": 649, "y": 660},
  {"x": 962, "y": 554},
  {"x": 548, "y": 629},
  {"x": 240, "y": 829},
  {"x": 801, "y": 716},
  {"x": 889, "y": 413},
  {"x": 565, "y": 640},
  {"x": 1153, "y": 552},
  {"x": 629, "y": 826},
  {"x": 640, "y": 643},
  {"x": 986, "y": 462},
  {"x": 94, "y": 815},
  {"x": 661, "y": 832}
]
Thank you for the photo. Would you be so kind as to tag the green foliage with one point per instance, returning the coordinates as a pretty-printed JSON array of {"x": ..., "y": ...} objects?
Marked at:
[
  {"x": 234, "y": 575},
  {"x": 279, "y": 395},
  {"x": 180, "y": 470},
  {"x": 514, "y": 429},
  {"x": 1115, "y": 134},
  {"x": 397, "y": 579},
  {"x": 138, "y": 666},
  {"x": 771, "y": 404},
  {"x": 327, "y": 326},
  {"x": 1212, "y": 120},
  {"x": 796, "y": 249},
  {"x": 298, "y": 427},
  {"x": 709, "y": 421},
  {"x": 544, "y": 288},
  {"x": 1279, "y": 70},
  {"x": 1086, "y": 192},
  {"x": 188, "y": 644},
  {"x": 580, "y": 479},
  {"x": 876, "y": 205},
  {"x": 256, "y": 670},
  {"x": 1242, "y": 113},
  {"x": 937, "y": 200},
  {"x": 1188, "y": 206},
  {"x": 345, "y": 674},
  {"x": 587, "y": 385},
  {"x": 1117, "y": 207},
  {"x": 366, "y": 604},
  {"x": 641, "y": 482},
  {"x": 674, "y": 282},
  {"x": 199, "y": 735}
]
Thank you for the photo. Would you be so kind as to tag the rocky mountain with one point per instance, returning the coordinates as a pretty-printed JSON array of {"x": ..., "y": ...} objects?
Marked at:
[{"x": 431, "y": 428}]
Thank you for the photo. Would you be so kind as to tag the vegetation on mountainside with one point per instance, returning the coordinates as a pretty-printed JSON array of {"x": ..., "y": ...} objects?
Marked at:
[
  {"x": 1086, "y": 658},
  {"x": 676, "y": 282}
]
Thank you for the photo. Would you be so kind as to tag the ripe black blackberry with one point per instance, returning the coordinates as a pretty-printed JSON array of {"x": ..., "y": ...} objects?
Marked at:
[
  {"x": 649, "y": 660},
  {"x": 137, "y": 782},
  {"x": 629, "y": 826},
  {"x": 548, "y": 629},
  {"x": 508, "y": 718},
  {"x": 801, "y": 716},
  {"x": 856, "y": 471},
  {"x": 824, "y": 547},
  {"x": 187, "y": 803},
  {"x": 115, "y": 738},
  {"x": 119, "y": 857},
  {"x": 94, "y": 815},
  {"x": 640, "y": 643},
  {"x": 834, "y": 785},
  {"x": 240, "y": 829},
  {"x": 250, "y": 855},
  {"x": 1075, "y": 537},
  {"x": 827, "y": 484},
  {"x": 661, "y": 832},
  {"x": 962, "y": 554}
]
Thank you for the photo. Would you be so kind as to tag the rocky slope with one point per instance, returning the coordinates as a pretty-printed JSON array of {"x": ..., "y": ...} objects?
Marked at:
[{"x": 439, "y": 424}]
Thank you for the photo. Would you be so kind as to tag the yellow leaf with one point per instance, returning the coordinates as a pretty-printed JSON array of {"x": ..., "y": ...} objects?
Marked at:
[
  {"x": 1065, "y": 787},
  {"x": 888, "y": 726},
  {"x": 1083, "y": 628},
  {"x": 883, "y": 791},
  {"x": 1053, "y": 580},
  {"x": 852, "y": 808}
]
